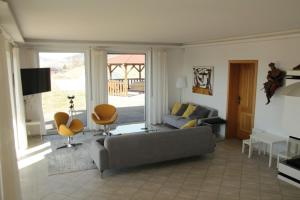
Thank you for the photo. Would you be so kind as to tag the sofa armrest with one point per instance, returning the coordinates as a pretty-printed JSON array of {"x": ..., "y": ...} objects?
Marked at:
[
  {"x": 202, "y": 120},
  {"x": 99, "y": 155}
]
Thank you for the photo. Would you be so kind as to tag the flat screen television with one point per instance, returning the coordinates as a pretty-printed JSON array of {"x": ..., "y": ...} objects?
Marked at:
[{"x": 35, "y": 80}]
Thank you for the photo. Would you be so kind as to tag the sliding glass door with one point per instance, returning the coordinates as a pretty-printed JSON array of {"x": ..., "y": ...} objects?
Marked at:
[{"x": 126, "y": 86}]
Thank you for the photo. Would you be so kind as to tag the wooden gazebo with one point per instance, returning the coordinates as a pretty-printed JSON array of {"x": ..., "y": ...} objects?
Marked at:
[{"x": 127, "y": 62}]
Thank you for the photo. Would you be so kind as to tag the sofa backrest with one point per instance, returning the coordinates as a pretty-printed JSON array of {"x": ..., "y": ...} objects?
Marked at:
[
  {"x": 212, "y": 111},
  {"x": 141, "y": 148}
]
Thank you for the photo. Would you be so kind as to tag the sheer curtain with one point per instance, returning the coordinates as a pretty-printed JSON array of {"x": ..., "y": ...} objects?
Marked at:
[
  {"x": 99, "y": 93},
  {"x": 158, "y": 104},
  {"x": 19, "y": 102},
  {"x": 9, "y": 174}
]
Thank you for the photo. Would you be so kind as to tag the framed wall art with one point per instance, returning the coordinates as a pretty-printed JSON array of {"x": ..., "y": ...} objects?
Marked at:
[{"x": 203, "y": 80}]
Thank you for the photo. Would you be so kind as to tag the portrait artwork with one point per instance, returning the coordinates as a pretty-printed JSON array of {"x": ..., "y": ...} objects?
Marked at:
[{"x": 203, "y": 80}]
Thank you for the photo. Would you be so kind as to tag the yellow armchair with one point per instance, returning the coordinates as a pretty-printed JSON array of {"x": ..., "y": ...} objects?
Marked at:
[
  {"x": 105, "y": 114},
  {"x": 76, "y": 126}
]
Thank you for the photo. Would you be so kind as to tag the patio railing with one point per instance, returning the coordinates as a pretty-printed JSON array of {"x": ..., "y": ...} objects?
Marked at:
[
  {"x": 120, "y": 87},
  {"x": 117, "y": 88},
  {"x": 130, "y": 81}
]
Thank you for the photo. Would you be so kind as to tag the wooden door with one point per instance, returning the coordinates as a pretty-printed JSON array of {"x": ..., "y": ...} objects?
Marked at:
[
  {"x": 241, "y": 98},
  {"x": 245, "y": 115}
]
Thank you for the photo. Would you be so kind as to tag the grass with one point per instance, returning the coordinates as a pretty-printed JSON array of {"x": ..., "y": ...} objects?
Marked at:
[{"x": 57, "y": 101}]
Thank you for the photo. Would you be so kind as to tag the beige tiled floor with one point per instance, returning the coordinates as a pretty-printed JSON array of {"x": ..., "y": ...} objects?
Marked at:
[{"x": 226, "y": 174}]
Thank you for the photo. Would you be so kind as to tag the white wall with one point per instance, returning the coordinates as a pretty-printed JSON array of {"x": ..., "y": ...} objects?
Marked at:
[
  {"x": 285, "y": 52},
  {"x": 291, "y": 112},
  {"x": 174, "y": 64}
]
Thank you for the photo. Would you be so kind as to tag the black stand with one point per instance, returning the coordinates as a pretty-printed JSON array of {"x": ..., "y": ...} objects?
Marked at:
[{"x": 218, "y": 126}]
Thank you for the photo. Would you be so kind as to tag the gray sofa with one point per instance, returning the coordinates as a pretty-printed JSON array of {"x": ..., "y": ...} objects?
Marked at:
[
  {"x": 179, "y": 121},
  {"x": 143, "y": 148}
]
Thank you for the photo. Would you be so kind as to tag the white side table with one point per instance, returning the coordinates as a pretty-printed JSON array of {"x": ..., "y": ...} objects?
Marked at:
[
  {"x": 268, "y": 139},
  {"x": 33, "y": 128},
  {"x": 260, "y": 146}
]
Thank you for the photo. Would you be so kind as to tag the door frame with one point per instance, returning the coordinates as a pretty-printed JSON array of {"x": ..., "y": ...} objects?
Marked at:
[{"x": 230, "y": 90}]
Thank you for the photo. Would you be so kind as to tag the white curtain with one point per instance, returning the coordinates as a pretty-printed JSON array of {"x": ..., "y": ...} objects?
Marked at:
[
  {"x": 19, "y": 102},
  {"x": 9, "y": 174},
  {"x": 99, "y": 93},
  {"x": 158, "y": 86}
]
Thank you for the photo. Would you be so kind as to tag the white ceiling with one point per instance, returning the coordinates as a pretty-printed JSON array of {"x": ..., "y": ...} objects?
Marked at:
[{"x": 153, "y": 21}]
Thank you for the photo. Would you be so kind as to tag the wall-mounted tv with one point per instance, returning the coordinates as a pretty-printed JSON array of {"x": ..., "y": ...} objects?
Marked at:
[{"x": 35, "y": 80}]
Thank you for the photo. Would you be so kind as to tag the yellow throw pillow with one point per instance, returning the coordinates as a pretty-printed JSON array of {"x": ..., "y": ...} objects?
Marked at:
[
  {"x": 190, "y": 109},
  {"x": 189, "y": 124},
  {"x": 175, "y": 108}
]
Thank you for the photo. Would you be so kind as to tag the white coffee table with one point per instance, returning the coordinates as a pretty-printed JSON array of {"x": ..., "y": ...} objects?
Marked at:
[{"x": 266, "y": 138}]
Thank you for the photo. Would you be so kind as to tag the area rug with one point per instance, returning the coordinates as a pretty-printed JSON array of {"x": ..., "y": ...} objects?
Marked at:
[{"x": 69, "y": 159}]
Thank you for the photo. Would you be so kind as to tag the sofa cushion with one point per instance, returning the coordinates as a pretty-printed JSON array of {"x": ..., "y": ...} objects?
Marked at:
[
  {"x": 171, "y": 119},
  {"x": 181, "y": 122},
  {"x": 182, "y": 109},
  {"x": 199, "y": 113},
  {"x": 175, "y": 108},
  {"x": 190, "y": 109},
  {"x": 176, "y": 121},
  {"x": 189, "y": 124}
]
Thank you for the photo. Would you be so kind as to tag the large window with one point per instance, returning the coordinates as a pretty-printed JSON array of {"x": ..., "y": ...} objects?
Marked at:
[{"x": 67, "y": 79}]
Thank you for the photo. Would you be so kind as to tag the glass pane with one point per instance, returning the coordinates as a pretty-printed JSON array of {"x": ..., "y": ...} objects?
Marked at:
[
  {"x": 126, "y": 86},
  {"x": 67, "y": 79}
]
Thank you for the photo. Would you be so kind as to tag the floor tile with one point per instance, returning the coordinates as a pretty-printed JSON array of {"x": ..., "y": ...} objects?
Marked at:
[{"x": 224, "y": 175}]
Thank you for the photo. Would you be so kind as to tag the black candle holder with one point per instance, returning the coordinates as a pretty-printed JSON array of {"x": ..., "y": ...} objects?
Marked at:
[{"x": 71, "y": 107}]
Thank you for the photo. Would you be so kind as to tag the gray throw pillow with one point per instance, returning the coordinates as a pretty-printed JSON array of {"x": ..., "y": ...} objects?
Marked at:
[
  {"x": 199, "y": 113},
  {"x": 182, "y": 109}
]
